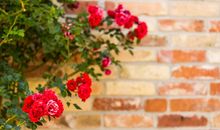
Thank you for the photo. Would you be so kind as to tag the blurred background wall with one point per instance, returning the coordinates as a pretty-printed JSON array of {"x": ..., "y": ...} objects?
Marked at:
[{"x": 172, "y": 81}]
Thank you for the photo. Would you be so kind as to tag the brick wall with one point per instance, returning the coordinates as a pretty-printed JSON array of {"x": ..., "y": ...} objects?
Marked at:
[{"x": 173, "y": 80}]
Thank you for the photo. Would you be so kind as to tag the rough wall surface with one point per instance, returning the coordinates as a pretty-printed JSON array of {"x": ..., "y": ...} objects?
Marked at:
[{"x": 173, "y": 80}]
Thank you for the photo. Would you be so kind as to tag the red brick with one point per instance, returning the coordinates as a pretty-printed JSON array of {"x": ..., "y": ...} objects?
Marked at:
[
  {"x": 182, "y": 88},
  {"x": 176, "y": 56},
  {"x": 205, "y": 105},
  {"x": 213, "y": 105},
  {"x": 108, "y": 104},
  {"x": 155, "y": 105},
  {"x": 181, "y": 25},
  {"x": 181, "y": 121},
  {"x": 215, "y": 26},
  {"x": 82, "y": 7},
  {"x": 215, "y": 88},
  {"x": 196, "y": 72},
  {"x": 128, "y": 121},
  {"x": 187, "y": 105},
  {"x": 153, "y": 40}
]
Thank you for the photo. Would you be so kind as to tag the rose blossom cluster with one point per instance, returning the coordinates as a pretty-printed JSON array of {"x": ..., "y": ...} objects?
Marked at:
[
  {"x": 81, "y": 85},
  {"x": 42, "y": 104},
  {"x": 95, "y": 15},
  {"x": 106, "y": 61},
  {"x": 124, "y": 18}
]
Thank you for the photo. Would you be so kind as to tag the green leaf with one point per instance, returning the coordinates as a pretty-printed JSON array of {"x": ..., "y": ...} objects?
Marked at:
[
  {"x": 68, "y": 104},
  {"x": 77, "y": 106}
]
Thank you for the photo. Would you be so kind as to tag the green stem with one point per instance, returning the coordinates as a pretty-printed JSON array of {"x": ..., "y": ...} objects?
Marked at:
[
  {"x": 9, "y": 119},
  {"x": 3, "y": 11},
  {"x": 5, "y": 40}
]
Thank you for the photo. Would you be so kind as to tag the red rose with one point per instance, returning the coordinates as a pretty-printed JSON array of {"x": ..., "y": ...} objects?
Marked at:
[
  {"x": 106, "y": 61},
  {"x": 49, "y": 95},
  {"x": 29, "y": 100},
  {"x": 71, "y": 85},
  {"x": 111, "y": 13},
  {"x": 141, "y": 30},
  {"x": 95, "y": 20},
  {"x": 37, "y": 110},
  {"x": 84, "y": 79},
  {"x": 121, "y": 18},
  {"x": 119, "y": 8},
  {"x": 108, "y": 72},
  {"x": 130, "y": 22},
  {"x": 93, "y": 9},
  {"x": 60, "y": 110},
  {"x": 84, "y": 92},
  {"x": 54, "y": 108},
  {"x": 38, "y": 105}
]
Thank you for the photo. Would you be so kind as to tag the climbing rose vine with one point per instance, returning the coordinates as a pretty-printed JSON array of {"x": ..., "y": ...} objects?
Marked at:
[{"x": 37, "y": 35}]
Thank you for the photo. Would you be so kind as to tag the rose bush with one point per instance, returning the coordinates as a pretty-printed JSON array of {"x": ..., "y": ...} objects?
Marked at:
[{"x": 33, "y": 36}]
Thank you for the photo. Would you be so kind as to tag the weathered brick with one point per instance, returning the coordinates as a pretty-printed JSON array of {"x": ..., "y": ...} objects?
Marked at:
[
  {"x": 82, "y": 6},
  {"x": 194, "y": 8},
  {"x": 82, "y": 121},
  {"x": 215, "y": 88},
  {"x": 192, "y": 41},
  {"x": 207, "y": 105},
  {"x": 187, "y": 105},
  {"x": 181, "y": 25},
  {"x": 130, "y": 88},
  {"x": 139, "y": 7},
  {"x": 215, "y": 122},
  {"x": 153, "y": 40},
  {"x": 175, "y": 56},
  {"x": 110, "y": 5},
  {"x": 145, "y": 71},
  {"x": 121, "y": 104},
  {"x": 215, "y": 26},
  {"x": 181, "y": 121},
  {"x": 97, "y": 88},
  {"x": 155, "y": 105},
  {"x": 139, "y": 55},
  {"x": 196, "y": 72},
  {"x": 213, "y": 56},
  {"x": 127, "y": 121},
  {"x": 182, "y": 89}
]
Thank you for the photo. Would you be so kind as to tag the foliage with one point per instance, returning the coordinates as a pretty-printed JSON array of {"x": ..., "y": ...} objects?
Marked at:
[{"x": 31, "y": 34}]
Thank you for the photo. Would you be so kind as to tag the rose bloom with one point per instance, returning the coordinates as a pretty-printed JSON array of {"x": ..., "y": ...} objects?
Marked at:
[
  {"x": 84, "y": 92},
  {"x": 93, "y": 9},
  {"x": 108, "y": 72},
  {"x": 71, "y": 85},
  {"x": 131, "y": 21},
  {"x": 29, "y": 100},
  {"x": 38, "y": 105},
  {"x": 121, "y": 18},
  {"x": 37, "y": 110},
  {"x": 95, "y": 20},
  {"x": 84, "y": 79},
  {"x": 141, "y": 30},
  {"x": 106, "y": 61},
  {"x": 54, "y": 108}
]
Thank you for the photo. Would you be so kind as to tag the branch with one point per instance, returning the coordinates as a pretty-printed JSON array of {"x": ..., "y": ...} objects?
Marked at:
[
  {"x": 22, "y": 5},
  {"x": 5, "y": 40},
  {"x": 3, "y": 11}
]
